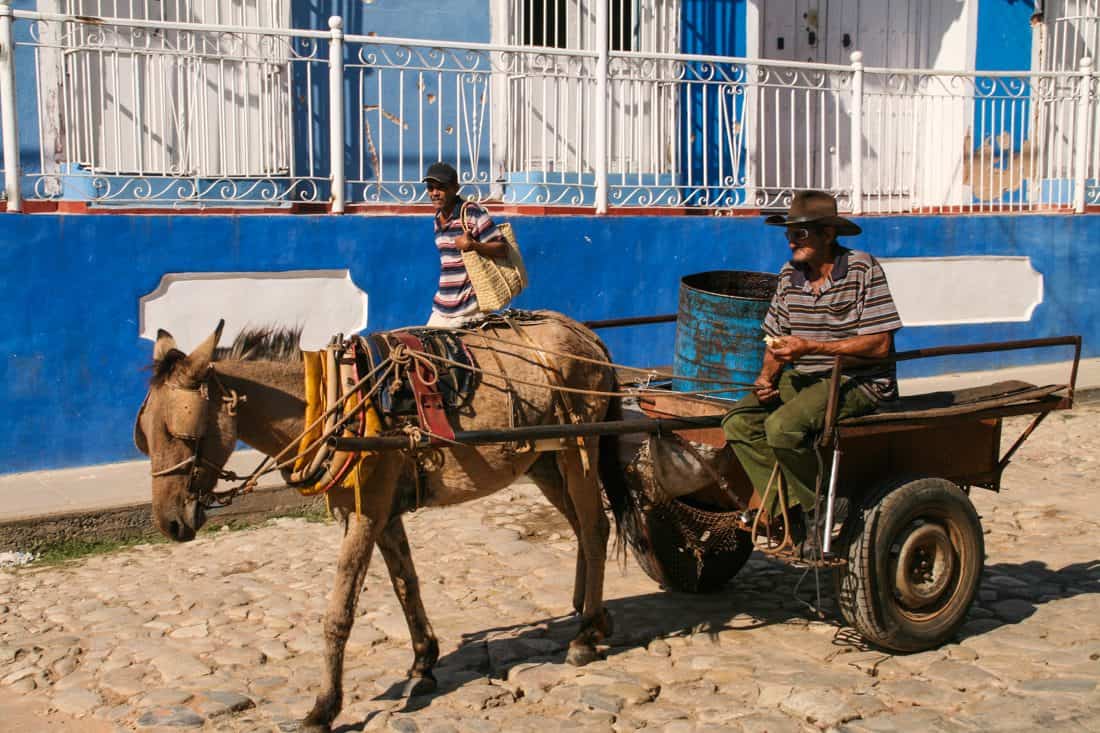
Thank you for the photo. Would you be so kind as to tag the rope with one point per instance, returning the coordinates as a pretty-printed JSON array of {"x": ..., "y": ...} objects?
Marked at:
[
  {"x": 230, "y": 398},
  {"x": 769, "y": 548},
  {"x": 262, "y": 469},
  {"x": 561, "y": 388},
  {"x": 403, "y": 357},
  {"x": 599, "y": 362},
  {"x": 165, "y": 471}
]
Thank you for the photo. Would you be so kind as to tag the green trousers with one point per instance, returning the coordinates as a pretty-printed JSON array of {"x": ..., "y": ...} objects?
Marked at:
[{"x": 784, "y": 431}]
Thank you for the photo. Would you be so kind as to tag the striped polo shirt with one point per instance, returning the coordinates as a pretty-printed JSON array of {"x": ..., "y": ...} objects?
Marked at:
[
  {"x": 455, "y": 296},
  {"x": 854, "y": 300}
]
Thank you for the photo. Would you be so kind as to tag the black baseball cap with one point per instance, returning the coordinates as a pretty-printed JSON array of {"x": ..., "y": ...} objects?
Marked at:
[{"x": 442, "y": 173}]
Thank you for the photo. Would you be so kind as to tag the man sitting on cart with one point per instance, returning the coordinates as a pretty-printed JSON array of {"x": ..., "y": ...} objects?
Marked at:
[{"x": 830, "y": 301}]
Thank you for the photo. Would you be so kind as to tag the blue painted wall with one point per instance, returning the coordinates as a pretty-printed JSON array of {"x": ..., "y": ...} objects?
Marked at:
[
  {"x": 457, "y": 20},
  {"x": 72, "y": 374},
  {"x": 711, "y": 28},
  {"x": 1004, "y": 35},
  {"x": 1004, "y": 44}
]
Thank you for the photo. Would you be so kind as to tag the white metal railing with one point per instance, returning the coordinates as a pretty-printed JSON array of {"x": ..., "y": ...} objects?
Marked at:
[
  {"x": 418, "y": 102},
  {"x": 132, "y": 110},
  {"x": 152, "y": 109},
  {"x": 9, "y": 121},
  {"x": 990, "y": 141}
]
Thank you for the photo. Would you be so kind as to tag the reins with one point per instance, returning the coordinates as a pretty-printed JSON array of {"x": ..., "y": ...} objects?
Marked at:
[
  {"x": 231, "y": 401},
  {"x": 399, "y": 360}
]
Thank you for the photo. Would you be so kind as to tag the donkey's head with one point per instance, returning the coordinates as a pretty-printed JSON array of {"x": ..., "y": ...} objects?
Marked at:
[{"x": 185, "y": 433}]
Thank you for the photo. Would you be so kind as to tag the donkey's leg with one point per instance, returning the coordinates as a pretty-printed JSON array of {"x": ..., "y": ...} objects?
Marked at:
[
  {"x": 361, "y": 531},
  {"x": 548, "y": 477},
  {"x": 584, "y": 491},
  {"x": 395, "y": 551}
]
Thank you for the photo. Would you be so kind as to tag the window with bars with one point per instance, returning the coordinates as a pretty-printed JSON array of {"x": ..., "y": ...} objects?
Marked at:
[
  {"x": 546, "y": 23},
  {"x": 549, "y": 107}
]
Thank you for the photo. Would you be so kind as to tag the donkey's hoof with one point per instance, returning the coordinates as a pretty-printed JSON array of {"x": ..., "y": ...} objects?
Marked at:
[
  {"x": 581, "y": 654},
  {"x": 421, "y": 685},
  {"x": 320, "y": 718},
  {"x": 310, "y": 726}
]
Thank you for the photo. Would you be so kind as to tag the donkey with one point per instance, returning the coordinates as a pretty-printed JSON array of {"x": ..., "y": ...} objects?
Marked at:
[{"x": 197, "y": 408}]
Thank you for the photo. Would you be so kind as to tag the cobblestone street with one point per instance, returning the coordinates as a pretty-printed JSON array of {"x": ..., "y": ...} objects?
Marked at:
[{"x": 224, "y": 633}]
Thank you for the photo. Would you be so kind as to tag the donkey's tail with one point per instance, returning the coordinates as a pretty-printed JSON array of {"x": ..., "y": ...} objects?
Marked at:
[{"x": 619, "y": 498}]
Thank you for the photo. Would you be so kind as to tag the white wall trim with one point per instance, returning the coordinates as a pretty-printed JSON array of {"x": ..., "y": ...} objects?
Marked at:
[
  {"x": 189, "y": 304},
  {"x": 950, "y": 291}
]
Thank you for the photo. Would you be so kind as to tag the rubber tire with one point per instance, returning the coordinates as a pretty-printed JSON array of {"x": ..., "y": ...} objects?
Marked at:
[{"x": 864, "y": 587}]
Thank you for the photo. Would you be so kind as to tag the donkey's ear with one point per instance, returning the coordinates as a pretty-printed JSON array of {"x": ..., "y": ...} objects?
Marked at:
[
  {"x": 199, "y": 359},
  {"x": 140, "y": 440},
  {"x": 164, "y": 344}
]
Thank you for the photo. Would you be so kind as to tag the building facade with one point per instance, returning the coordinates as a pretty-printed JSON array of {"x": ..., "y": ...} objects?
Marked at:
[{"x": 177, "y": 161}]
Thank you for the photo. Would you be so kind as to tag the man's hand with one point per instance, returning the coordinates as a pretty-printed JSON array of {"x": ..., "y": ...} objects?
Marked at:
[
  {"x": 791, "y": 348},
  {"x": 494, "y": 248},
  {"x": 465, "y": 242},
  {"x": 786, "y": 349},
  {"x": 764, "y": 389}
]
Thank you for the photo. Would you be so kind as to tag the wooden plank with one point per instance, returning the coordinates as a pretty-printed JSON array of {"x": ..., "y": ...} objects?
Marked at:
[
  {"x": 942, "y": 404},
  {"x": 1045, "y": 404}
]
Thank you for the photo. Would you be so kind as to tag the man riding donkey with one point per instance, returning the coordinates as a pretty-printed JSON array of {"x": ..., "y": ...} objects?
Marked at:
[
  {"x": 460, "y": 226},
  {"x": 830, "y": 301}
]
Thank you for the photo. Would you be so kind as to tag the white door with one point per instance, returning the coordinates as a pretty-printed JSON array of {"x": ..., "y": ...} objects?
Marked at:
[
  {"x": 176, "y": 102},
  {"x": 550, "y": 97},
  {"x": 1070, "y": 31},
  {"x": 803, "y": 118},
  {"x": 791, "y": 111}
]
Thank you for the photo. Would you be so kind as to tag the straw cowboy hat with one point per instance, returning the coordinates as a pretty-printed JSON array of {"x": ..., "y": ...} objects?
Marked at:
[{"x": 814, "y": 207}]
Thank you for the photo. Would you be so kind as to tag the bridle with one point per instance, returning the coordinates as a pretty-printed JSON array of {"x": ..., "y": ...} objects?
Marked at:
[{"x": 189, "y": 427}]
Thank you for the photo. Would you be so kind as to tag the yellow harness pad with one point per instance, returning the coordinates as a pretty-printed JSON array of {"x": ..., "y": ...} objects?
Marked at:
[{"x": 316, "y": 378}]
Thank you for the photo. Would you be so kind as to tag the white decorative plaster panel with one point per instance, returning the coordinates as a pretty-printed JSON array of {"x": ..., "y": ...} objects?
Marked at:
[
  {"x": 940, "y": 291},
  {"x": 189, "y": 304}
]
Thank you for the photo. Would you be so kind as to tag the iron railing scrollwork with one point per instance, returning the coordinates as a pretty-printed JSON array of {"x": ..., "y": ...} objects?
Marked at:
[{"x": 150, "y": 113}]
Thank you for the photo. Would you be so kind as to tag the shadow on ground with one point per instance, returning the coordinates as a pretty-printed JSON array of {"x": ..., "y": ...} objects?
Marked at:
[{"x": 640, "y": 619}]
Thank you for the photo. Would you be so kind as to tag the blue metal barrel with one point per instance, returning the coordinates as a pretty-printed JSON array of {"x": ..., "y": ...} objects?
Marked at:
[{"x": 719, "y": 336}]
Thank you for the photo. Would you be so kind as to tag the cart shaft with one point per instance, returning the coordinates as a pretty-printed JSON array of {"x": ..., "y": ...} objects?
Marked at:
[{"x": 538, "y": 432}]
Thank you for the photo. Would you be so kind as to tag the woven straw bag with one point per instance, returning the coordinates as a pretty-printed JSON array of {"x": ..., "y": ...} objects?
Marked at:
[{"x": 496, "y": 280}]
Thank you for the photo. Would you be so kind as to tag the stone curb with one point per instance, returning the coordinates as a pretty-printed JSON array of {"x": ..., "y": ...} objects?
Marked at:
[{"x": 132, "y": 521}]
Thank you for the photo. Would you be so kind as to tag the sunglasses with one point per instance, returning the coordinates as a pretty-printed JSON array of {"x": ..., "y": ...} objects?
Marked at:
[{"x": 800, "y": 234}]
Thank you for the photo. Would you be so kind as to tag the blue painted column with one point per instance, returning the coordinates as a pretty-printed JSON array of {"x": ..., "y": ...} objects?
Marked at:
[
  {"x": 1004, "y": 104},
  {"x": 717, "y": 28}
]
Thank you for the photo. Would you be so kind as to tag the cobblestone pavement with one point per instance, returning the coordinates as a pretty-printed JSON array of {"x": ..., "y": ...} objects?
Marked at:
[{"x": 224, "y": 633}]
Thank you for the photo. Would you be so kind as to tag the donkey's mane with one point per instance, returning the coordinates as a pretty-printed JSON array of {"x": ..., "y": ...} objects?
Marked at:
[
  {"x": 270, "y": 343},
  {"x": 274, "y": 343}
]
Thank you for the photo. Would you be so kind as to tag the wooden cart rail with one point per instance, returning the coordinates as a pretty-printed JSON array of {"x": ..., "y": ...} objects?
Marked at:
[
  {"x": 999, "y": 400},
  {"x": 1020, "y": 406}
]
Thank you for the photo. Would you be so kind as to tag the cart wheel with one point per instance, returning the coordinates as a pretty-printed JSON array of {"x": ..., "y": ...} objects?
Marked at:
[{"x": 914, "y": 563}]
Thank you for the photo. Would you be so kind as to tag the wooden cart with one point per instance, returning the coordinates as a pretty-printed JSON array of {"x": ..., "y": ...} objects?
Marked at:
[{"x": 899, "y": 528}]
